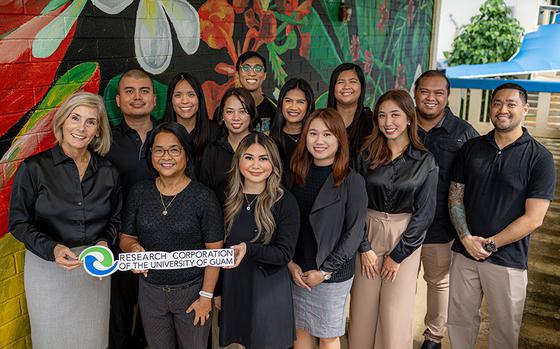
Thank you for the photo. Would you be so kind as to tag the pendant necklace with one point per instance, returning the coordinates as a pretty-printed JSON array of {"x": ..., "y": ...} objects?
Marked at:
[
  {"x": 165, "y": 207},
  {"x": 294, "y": 139},
  {"x": 248, "y": 208}
]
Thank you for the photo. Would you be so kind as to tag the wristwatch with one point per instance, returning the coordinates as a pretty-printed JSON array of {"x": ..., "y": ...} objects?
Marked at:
[
  {"x": 326, "y": 274},
  {"x": 490, "y": 246}
]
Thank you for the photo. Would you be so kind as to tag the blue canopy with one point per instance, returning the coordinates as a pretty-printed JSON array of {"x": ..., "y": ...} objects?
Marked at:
[{"x": 539, "y": 52}]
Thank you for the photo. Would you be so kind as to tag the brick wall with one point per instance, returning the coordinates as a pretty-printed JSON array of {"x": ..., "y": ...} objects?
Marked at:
[{"x": 50, "y": 49}]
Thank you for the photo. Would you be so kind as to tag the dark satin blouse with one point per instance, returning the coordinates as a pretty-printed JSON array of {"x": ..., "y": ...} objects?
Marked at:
[
  {"x": 406, "y": 185},
  {"x": 49, "y": 205}
]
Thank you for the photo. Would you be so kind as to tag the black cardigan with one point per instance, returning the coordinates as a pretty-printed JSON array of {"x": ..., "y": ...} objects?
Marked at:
[{"x": 339, "y": 214}]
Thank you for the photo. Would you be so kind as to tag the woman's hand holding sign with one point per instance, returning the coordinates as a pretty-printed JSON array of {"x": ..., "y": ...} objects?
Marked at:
[{"x": 239, "y": 252}]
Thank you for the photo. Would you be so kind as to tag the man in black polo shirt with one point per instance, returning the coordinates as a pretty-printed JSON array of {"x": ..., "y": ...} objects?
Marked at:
[
  {"x": 443, "y": 134},
  {"x": 501, "y": 188},
  {"x": 251, "y": 73},
  {"x": 136, "y": 99}
]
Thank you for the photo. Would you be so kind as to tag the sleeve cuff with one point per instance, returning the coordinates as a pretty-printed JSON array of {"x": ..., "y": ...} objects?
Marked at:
[
  {"x": 364, "y": 246},
  {"x": 397, "y": 256}
]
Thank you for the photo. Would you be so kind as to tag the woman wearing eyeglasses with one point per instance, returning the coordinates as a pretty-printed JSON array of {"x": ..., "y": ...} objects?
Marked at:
[{"x": 172, "y": 213}]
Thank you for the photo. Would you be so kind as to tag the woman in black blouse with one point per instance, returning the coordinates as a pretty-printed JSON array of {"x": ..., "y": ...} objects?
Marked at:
[
  {"x": 296, "y": 103},
  {"x": 332, "y": 202},
  {"x": 171, "y": 213},
  {"x": 347, "y": 91},
  {"x": 236, "y": 115},
  {"x": 63, "y": 200},
  {"x": 262, "y": 223},
  {"x": 186, "y": 105},
  {"x": 401, "y": 180}
]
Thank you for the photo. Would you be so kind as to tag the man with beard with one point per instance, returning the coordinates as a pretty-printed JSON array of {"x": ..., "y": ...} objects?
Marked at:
[
  {"x": 443, "y": 134},
  {"x": 136, "y": 99},
  {"x": 501, "y": 187}
]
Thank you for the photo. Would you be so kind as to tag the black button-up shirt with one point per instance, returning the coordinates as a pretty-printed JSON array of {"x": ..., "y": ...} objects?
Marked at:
[
  {"x": 444, "y": 141},
  {"x": 128, "y": 155},
  {"x": 406, "y": 185},
  {"x": 497, "y": 184},
  {"x": 49, "y": 205}
]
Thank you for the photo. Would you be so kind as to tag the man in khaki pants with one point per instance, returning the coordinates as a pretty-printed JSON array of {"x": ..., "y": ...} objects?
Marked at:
[
  {"x": 443, "y": 134},
  {"x": 501, "y": 187}
]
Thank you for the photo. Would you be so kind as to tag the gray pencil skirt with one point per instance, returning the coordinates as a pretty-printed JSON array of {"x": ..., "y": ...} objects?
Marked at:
[
  {"x": 321, "y": 311},
  {"x": 67, "y": 309}
]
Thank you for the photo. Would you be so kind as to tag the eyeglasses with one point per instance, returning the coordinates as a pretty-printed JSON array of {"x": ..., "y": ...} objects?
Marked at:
[
  {"x": 256, "y": 68},
  {"x": 174, "y": 151}
]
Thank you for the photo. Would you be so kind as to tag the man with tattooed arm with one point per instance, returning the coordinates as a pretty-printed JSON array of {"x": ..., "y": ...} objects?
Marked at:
[{"x": 501, "y": 187}]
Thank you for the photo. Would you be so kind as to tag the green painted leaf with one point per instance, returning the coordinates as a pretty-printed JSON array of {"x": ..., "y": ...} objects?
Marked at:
[
  {"x": 340, "y": 29},
  {"x": 72, "y": 81},
  {"x": 321, "y": 101},
  {"x": 53, "y": 5},
  {"x": 367, "y": 18},
  {"x": 49, "y": 38},
  {"x": 322, "y": 54},
  {"x": 277, "y": 64}
]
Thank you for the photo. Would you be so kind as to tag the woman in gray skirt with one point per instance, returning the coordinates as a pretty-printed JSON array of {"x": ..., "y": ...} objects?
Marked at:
[
  {"x": 333, "y": 202},
  {"x": 63, "y": 200}
]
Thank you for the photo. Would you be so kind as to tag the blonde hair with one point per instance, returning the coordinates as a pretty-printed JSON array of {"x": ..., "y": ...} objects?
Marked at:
[
  {"x": 102, "y": 142},
  {"x": 264, "y": 219}
]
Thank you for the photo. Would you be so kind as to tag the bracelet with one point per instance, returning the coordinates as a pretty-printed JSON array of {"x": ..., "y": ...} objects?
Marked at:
[{"x": 206, "y": 294}]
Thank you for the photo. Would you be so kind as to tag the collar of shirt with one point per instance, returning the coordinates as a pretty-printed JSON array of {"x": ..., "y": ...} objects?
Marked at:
[
  {"x": 525, "y": 137},
  {"x": 125, "y": 129},
  {"x": 59, "y": 157},
  {"x": 413, "y": 153}
]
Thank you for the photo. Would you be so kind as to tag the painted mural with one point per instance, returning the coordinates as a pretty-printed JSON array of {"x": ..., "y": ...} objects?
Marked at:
[{"x": 50, "y": 49}]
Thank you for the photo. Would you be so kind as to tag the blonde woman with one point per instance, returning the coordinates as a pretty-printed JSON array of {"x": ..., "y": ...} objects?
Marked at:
[
  {"x": 261, "y": 221},
  {"x": 63, "y": 200}
]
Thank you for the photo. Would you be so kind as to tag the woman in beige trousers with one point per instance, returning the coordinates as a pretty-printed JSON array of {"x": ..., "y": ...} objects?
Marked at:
[{"x": 401, "y": 180}]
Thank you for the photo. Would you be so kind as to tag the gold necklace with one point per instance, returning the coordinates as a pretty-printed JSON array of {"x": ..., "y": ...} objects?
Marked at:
[{"x": 166, "y": 207}]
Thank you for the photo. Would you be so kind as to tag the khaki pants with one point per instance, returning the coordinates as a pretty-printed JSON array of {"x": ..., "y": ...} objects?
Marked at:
[
  {"x": 436, "y": 260},
  {"x": 504, "y": 289},
  {"x": 381, "y": 312}
]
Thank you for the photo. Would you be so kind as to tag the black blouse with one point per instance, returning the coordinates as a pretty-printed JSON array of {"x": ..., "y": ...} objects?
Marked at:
[
  {"x": 287, "y": 148},
  {"x": 49, "y": 205},
  {"x": 406, "y": 185},
  {"x": 215, "y": 165},
  {"x": 194, "y": 218}
]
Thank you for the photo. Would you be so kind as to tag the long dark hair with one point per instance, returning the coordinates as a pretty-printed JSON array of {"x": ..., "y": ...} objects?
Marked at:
[
  {"x": 302, "y": 159},
  {"x": 248, "y": 103},
  {"x": 181, "y": 133},
  {"x": 279, "y": 120},
  {"x": 359, "y": 123},
  {"x": 377, "y": 152},
  {"x": 204, "y": 129}
]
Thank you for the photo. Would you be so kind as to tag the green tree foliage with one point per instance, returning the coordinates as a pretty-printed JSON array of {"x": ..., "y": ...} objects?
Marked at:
[{"x": 492, "y": 36}]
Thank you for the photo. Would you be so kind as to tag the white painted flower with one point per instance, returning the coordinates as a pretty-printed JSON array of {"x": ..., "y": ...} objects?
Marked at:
[{"x": 152, "y": 35}]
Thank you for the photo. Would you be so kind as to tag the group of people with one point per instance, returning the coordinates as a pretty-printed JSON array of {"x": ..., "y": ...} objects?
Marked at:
[{"x": 321, "y": 207}]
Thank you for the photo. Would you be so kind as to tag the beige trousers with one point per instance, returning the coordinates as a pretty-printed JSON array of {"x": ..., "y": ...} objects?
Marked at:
[
  {"x": 504, "y": 289},
  {"x": 436, "y": 260},
  {"x": 382, "y": 312}
]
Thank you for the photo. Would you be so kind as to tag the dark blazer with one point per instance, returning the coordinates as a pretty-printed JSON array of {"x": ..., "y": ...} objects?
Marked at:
[{"x": 338, "y": 220}]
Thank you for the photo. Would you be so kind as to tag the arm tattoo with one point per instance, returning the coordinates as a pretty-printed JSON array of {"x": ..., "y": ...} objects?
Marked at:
[{"x": 457, "y": 209}]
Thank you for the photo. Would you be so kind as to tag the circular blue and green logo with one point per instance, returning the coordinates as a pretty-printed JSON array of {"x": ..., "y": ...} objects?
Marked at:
[{"x": 98, "y": 261}]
